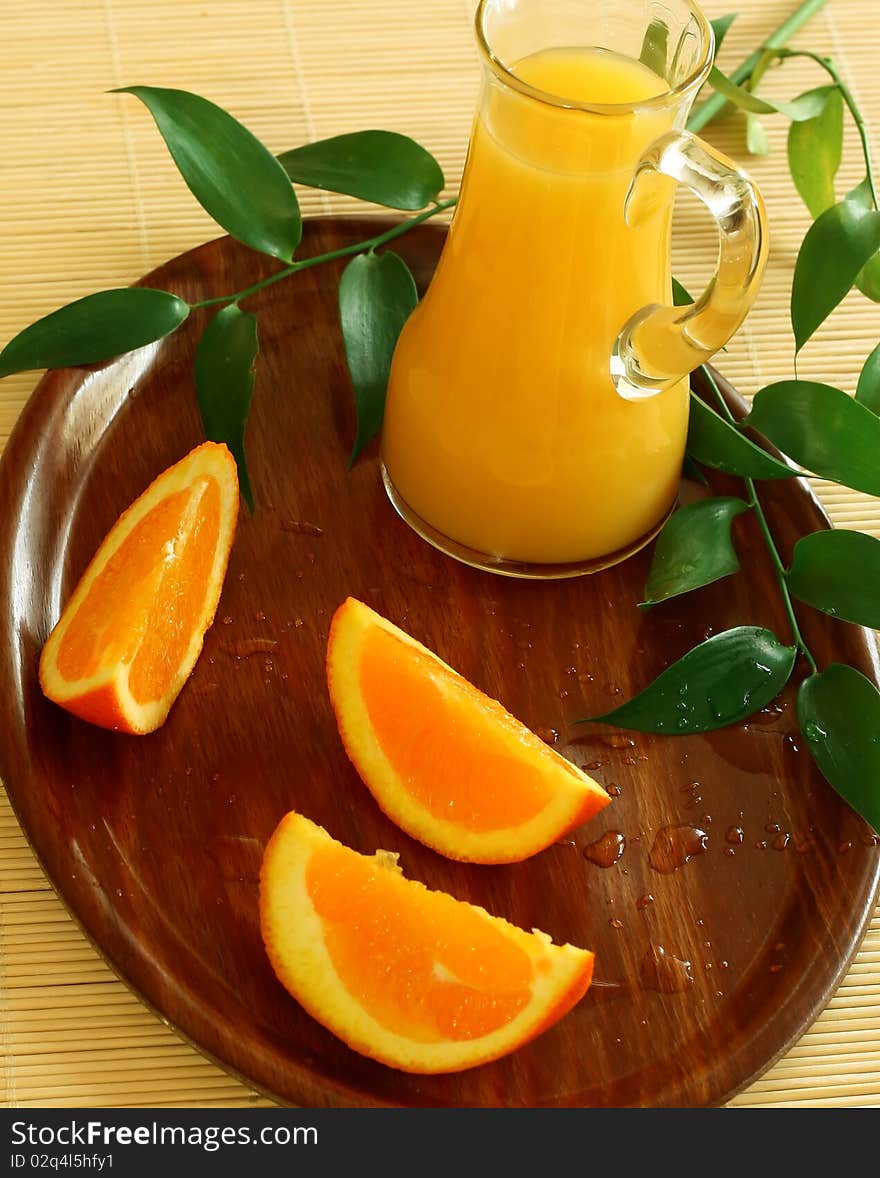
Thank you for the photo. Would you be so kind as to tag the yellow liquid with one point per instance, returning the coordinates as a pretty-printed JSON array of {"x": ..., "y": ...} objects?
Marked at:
[{"x": 502, "y": 427}]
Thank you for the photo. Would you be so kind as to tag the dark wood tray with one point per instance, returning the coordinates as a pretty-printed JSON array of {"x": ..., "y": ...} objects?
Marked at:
[{"x": 155, "y": 842}]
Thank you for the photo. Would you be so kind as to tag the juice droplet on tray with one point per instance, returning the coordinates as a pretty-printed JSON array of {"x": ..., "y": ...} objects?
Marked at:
[
  {"x": 664, "y": 972},
  {"x": 616, "y": 740},
  {"x": 605, "y": 851},
  {"x": 675, "y": 845}
]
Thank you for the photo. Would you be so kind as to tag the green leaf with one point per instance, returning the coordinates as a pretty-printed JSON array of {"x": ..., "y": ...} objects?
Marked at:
[
  {"x": 720, "y": 26},
  {"x": 868, "y": 390},
  {"x": 716, "y": 443},
  {"x": 94, "y": 328},
  {"x": 224, "y": 372},
  {"x": 380, "y": 166},
  {"x": 838, "y": 571},
  {"x": 227, "y": 169},
  {"x": 806, "y": 106},
  {"x": 757, "y": 142},
  {"x": 680, "y": 297},
  {"x": 823, "y": 429},
  {"x": 694, "y": 548},
  {"x": 690, "y": 470},
  {"x": 814, "y": 151},
  {"x": 377, "y": 294},
  {"x": 832, "y": 253},
  {"x": 721, "y": 681},
  {"x": 839, "y": 714},
  {"x": 655, "y": 47},
  {"x": 868, "y": 278}
]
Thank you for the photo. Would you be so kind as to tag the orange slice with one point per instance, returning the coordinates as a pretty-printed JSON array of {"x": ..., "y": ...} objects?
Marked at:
[
  {"x": 410, "y": 977},
  {"x": 444, "y": 761},
  {"x": 134, "y": 627}
]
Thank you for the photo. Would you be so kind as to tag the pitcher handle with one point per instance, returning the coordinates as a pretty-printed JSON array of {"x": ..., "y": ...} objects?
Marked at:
[{"x": 659, "y": 345}]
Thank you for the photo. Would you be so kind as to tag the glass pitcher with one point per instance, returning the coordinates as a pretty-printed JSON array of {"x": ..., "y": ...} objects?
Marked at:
[{"x": 537, "y": 408}]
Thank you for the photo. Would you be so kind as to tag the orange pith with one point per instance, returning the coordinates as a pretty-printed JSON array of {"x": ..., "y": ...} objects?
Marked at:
[
  {"x": 133, "y": 628},
  {"x": 414, "y": 978},
  {"x": 448, "y": 764}
]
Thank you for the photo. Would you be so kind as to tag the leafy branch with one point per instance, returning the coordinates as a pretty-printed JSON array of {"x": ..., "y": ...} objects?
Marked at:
[
  {"x": 249, "y": 193},
  {"x": 820, "y": 430}
]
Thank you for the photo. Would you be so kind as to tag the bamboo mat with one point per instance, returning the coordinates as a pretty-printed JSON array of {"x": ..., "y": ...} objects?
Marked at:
[{"x": 89, "y": 199}]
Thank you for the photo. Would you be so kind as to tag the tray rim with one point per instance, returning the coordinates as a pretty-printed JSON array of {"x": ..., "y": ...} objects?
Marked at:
[{"x": 45, "y": 390}]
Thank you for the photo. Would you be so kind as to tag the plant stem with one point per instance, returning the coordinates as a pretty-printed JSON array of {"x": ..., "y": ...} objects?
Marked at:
[
  {"x": 780, "y": 574},
  {"x": 755, "y": 504},
  {"x": 371, "y": 243},
  {"x": 777, "y": 40}
]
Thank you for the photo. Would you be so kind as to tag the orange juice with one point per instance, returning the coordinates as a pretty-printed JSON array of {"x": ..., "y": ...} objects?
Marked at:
[{"x": 503, "y": 430}]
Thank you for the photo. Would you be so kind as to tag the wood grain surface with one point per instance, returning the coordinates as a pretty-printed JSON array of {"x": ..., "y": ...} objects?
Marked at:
[{"x": 705, "y": 972}]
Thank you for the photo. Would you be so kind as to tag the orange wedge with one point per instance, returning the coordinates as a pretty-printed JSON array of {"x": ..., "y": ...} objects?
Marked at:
[
  {"x": 444, "y": 761},
  {"x": 134, "y": 627},
  {"x": 410, "y": 977}
]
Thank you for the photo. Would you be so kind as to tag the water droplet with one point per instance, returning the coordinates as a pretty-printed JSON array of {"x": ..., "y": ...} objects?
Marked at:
[
  {"x": 548, "y": 735},
  {"x": 761, "y": 845},
  {"x": 781, "y": 841},
  {"x": 615, "y": 923},
  {"x": 644, "y": 901},
  {"x": 591, "y": 765},
  {"x": 301, "y": 527},
  {"x": 843, "y": 848},
  {"x": 246, "y": 647},
  {"x": 813, "y": 731},
  {"x": 605, "y": 851},
  {"x": 772, "y": 827},
  {"x": 614, "y": 790},
  {"x": 729, "y": 852},
  {"x": 664, "y": 972},
  {"x": 735, "y": 834},
  {"x": 617, "y": 740},
  {"x": 869, "y": 840},
  {"x": 675, "y": 845}
]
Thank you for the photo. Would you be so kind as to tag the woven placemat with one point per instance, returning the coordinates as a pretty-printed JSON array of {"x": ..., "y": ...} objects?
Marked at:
[{"x": 89, "y": 199}]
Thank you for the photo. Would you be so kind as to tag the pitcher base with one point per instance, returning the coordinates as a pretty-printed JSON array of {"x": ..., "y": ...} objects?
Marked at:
[{"x": 525, "y": 570}]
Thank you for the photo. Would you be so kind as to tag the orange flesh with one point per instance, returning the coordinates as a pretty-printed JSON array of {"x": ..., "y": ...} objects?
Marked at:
[
  {"x": 162, "y": 599},
  {"x": 482, "y": 787},
  {"x": 419, "y": 962}
]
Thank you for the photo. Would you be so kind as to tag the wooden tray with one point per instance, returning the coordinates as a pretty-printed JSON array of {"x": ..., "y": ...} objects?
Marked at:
[{"x": 155, "y": 842}]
